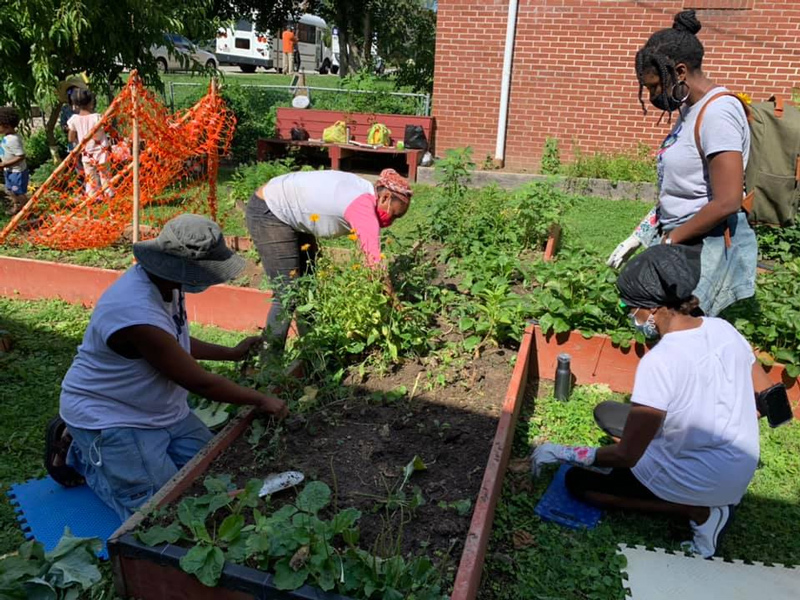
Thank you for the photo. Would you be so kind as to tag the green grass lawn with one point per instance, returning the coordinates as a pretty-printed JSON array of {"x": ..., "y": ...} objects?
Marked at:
[
  {"x": 46, "y": 335},
  {"x": 555, "y": 562}
]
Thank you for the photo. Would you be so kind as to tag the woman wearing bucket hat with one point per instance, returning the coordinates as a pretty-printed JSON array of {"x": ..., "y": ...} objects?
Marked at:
[
  {"x": 126, "y": 427},
  {"x": 287, "y": 215},
  {"x": 690, "y": 442}
]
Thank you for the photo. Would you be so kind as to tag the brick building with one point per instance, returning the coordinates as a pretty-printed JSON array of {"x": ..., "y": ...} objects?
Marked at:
[{"x": 573, "y": 75}]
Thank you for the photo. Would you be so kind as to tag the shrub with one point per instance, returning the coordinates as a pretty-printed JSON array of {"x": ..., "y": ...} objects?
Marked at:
[
  {"x": 249, "y": 177},
  {"x": 37, "y": 151},
  {"x": 453, "y": 172},
  {"x": 637, "y": 165},
  {"x": 779, "y": 243},
  {"x": 551, "y": 157}
]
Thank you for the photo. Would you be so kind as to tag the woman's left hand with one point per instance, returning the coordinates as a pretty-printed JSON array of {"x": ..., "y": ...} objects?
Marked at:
[{"x": 243, "y": 348}]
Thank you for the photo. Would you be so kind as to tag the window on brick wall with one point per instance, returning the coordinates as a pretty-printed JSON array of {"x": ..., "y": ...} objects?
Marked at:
[{"x": 719, "y": 4}]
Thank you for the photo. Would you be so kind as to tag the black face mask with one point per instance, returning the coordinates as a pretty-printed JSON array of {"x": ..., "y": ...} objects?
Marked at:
[{"x": 666, "y": 101}]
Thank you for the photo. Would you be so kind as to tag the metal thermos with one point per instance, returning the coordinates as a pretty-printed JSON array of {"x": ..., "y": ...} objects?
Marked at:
[{"x": 563, "y": 377}]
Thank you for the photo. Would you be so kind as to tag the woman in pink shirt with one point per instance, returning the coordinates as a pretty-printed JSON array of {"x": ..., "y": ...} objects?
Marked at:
[
  {"x": 295, "y": 209},
  {"x": 94, "y": 155}
]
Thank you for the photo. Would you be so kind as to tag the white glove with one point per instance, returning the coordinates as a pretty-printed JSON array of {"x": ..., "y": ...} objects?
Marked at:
[
  {"x": 623, "y": 251},
  {"x": 548, "y": 453}
]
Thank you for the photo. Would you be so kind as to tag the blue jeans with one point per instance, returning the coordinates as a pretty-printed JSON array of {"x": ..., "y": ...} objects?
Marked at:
[
  {"x": 126, "y": 466},
  {"x": 727, "y": 275},
  {"x": 17, "y": 182}
]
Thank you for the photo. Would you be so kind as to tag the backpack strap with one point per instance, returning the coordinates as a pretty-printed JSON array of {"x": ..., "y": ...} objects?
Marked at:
[{"x": 747, "y": 203}]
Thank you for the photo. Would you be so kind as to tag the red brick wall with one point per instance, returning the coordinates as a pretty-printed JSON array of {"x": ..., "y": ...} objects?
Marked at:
[{"x": 573, "y": 74}]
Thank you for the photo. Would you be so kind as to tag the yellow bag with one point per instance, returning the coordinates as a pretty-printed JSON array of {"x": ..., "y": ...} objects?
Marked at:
[
  {"x": 379, "y": 135},
  {"x": 336, "y": 133}
]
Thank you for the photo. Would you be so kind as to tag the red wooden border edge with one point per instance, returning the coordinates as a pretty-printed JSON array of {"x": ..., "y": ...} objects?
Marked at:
[
  {"x": 552, "y": 242},
  {"x": 470, "y": 568},
  {"x": 225, "y": 306}
]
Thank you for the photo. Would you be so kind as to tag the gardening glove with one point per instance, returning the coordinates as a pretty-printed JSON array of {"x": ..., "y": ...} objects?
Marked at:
[
  {"x": 645, "y": 233},
  {"x": 622, "y": 251},
  {"x": 548, "y": 453}
]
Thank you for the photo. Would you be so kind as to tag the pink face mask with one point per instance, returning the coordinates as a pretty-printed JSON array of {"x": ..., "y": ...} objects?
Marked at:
[{"x": 384, "y": 218}]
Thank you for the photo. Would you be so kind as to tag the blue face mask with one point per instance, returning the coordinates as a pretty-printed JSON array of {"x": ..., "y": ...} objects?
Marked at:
[
  {"x": 194, "y": 289},
  {"x": 648, "y": 329}
]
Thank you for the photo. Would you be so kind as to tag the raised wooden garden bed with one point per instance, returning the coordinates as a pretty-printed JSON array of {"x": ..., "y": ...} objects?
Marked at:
[{"x": 452, "y": 432}]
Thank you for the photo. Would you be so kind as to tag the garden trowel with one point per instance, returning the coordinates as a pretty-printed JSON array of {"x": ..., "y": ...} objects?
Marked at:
[{"x": 276, "y": 482}]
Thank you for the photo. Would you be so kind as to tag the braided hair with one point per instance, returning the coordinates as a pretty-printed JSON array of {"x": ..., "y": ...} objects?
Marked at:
[{"x": 667, "y": 48}]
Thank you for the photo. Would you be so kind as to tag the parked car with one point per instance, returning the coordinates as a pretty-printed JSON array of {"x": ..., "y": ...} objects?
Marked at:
[{"x": 185, "y": 56}]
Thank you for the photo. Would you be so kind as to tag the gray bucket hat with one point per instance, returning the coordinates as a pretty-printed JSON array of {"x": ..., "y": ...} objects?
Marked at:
[{"x": 190, "y": 250}]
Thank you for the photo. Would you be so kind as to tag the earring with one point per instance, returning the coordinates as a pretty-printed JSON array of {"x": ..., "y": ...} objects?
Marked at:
[{"x": 685, "y": 96}]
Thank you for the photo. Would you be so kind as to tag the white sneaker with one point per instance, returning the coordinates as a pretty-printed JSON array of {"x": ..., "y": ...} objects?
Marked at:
[{"x": 707, "y": 535}]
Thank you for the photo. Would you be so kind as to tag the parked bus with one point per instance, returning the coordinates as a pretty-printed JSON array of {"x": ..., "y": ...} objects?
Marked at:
[
  {"x": 249, "y": 49},
  {"x": 245, "y": 47}
]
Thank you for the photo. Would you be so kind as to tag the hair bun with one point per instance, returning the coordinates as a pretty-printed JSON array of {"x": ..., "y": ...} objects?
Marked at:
[{"x": 687, "y": 21}]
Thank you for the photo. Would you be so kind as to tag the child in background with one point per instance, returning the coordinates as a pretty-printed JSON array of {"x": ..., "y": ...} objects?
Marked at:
[
  {"x": 95, "y": 152},
  {"x": 12, "y": 159}
]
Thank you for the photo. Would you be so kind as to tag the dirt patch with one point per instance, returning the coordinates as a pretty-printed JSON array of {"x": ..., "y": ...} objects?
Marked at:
[{"x": 360, "y": 445}]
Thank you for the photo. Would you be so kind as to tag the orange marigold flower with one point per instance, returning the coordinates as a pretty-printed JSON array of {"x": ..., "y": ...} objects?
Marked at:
[
  {"x": 352, "y": 230},
  {"x": 305, "y": 247},
  {"x": 383, "y": 256},
  {"x": 353, "y": 236},
  {"x": 356, "y": 267},
  {"x": 293, "y": 273},
  {"x": 314, "y": 217}
]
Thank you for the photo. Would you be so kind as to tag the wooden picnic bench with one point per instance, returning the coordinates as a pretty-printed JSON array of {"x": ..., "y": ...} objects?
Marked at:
[{"x": 316, "y": 121}]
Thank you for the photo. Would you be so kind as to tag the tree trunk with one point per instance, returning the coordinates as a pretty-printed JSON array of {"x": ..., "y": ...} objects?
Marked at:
[
  {"x": 344, "y": 38},
  {"x": 367, "y": 51},
  {"x": 50, "y": 131}
]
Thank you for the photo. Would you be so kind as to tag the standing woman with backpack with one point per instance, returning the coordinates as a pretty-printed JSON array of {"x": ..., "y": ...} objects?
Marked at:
[{"x": 700, "y": 178}]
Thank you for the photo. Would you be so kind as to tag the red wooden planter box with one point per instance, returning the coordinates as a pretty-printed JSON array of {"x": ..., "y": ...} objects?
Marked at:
[
  {"x": 154, "y": 573},
  {"x": 597, "y": 360},
  {"x": 225, "y": 306}
]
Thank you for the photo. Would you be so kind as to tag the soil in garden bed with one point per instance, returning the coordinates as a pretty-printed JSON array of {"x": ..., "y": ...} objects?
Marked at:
[{"x": 359, "y": 447}]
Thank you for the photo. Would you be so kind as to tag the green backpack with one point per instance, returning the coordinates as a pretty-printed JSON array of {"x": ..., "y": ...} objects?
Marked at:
[{"x": 772, "y": 178}]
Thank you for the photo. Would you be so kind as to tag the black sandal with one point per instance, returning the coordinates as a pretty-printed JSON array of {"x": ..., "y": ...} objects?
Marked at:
[{"x": 56, "y": 446}]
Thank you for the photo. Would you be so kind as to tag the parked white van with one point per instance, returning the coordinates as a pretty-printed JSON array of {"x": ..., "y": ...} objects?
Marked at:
[
  {"x": 245, "y": 47},
  {"x": 249, "y": 49}
]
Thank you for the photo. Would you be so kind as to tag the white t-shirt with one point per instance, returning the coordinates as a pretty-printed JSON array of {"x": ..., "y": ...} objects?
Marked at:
[
  {"x": 293, "y": 198},
  {"x": 11, "y": 147},
  {"x": 103, "y": 389},
  {"x": 707, "y": 449},
  {"x": 683, "y": 182},
  {"x": 95, "y": 148}
]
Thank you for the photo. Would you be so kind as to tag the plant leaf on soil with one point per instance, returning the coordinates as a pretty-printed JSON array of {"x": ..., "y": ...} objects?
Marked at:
[{"x": 205, "y": 563}]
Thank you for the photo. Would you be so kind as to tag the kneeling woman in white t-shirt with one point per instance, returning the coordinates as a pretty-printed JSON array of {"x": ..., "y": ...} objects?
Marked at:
[{"x": 690, "y": 444}]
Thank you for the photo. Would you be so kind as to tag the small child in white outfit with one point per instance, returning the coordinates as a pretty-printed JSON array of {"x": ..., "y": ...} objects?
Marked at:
[{"x": 95, "y": 152}]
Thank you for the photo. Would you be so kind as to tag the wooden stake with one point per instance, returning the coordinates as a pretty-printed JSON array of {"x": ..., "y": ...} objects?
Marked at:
[{"x": 136, "y": 190}]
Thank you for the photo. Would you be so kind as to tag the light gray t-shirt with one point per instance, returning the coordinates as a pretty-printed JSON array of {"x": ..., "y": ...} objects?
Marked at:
[
  {"x": 682, "y": 179},
  {"x": 10, "y": 147},
  {"x": 103, "y": 389},
  {"x": 315, "y": 202}
]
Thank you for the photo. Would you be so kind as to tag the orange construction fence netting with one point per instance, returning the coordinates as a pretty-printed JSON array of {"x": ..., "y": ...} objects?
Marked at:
[{"x": 88, "y": 201}]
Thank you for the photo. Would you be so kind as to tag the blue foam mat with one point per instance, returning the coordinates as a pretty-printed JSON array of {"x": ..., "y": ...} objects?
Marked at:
[
  {"x": 559, "y": 506},
  {"x": 44, "y": 509}
]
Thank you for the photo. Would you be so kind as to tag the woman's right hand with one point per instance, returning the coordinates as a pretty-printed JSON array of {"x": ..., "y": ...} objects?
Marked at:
[
  {"x": 623, "y": 251},
  {"x": 273, "y": 406}
]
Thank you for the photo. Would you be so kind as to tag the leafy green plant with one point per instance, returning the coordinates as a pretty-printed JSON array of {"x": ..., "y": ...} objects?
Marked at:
[
  {"x": 551, "y": 157},
  {"x": 453, "y": 172},
  {"x": 779, "y": 243},
  {"x": 37, "y": 150},
  {"x": 249, "y": 177},
  {"x": 295, "y": 542},
  {"x": 637, "y": 165},
  {"x": 772, "y": 322},
  {"x": 62, "y": 574},
  {"x": 346, "y": 313}
]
